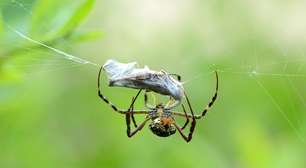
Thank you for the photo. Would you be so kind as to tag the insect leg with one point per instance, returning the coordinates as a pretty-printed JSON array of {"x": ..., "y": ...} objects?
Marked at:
[
  {"x": 179, "y": 78},
  {"x": 149, "y": 106}
]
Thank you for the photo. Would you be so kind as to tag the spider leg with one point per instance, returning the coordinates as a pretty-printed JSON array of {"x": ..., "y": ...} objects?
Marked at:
[
  {"x": 128, "y": 122},
  {"x": 192, "y": 127},
  {"x": 207, "y": 108},
  {"x": 100, "y": 94},
  {"x": 189, "y": 137},
  {"x": 129, "y": 115},
  {"x": 214, "y": 98},
  {"x": 179, "y": 78},
  {"x": 132, "y": 107},
  {"x": 133, "y": 119},
  {"x": 186, "y": 116}
]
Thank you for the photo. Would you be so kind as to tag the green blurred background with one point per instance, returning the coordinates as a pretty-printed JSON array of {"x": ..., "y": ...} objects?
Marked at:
[{"x": 51, "y": 116}]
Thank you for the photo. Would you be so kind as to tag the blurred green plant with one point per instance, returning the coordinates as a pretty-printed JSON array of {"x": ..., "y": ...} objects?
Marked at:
[{"x": 50, "y": 22}]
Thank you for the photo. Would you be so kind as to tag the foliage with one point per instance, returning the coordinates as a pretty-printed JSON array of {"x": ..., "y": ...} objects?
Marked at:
[{"x": 50, "y": 22}]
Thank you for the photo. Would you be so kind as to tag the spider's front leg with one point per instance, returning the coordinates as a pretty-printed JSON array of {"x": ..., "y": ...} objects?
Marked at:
[
  {"x": 209, "y": 105},
  {"x": 106, "y": 100}
]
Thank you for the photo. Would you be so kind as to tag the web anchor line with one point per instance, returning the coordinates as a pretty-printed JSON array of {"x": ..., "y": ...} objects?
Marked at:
[{"x": 64, "y": 54}]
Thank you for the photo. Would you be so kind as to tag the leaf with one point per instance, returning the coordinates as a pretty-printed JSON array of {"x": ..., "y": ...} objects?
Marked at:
[
  {"x": 51, "y": 21},
  {"x": 87, "y": 36},
  {"x": 48, "y": 16},
  {"x": 57, "y": 18},
  {"x": 77, "y": 18}
]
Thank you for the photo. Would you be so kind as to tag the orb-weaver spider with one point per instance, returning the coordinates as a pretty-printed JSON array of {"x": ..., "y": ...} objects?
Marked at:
[{"x": 163, "y": 123}]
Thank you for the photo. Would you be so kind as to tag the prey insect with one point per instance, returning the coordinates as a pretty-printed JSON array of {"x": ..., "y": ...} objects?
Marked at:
[
  {"x": 162, "y": 117},
  {"x": 129, "y": 76}
]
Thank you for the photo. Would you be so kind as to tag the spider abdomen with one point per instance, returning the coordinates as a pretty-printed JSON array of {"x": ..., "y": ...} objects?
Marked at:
[{"x": 162, "y": 127}]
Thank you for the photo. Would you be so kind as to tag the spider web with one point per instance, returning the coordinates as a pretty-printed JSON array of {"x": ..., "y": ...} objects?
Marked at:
[{"x": 287, "y": 71}]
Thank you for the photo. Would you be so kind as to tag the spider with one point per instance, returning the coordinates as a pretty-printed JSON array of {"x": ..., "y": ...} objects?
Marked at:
[{"x": 163, "y": 123}]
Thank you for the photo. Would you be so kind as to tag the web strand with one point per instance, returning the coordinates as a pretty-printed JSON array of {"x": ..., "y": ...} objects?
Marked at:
[
  {"x": 284, "y": 115},
  {"x": 64, "y": 54}
]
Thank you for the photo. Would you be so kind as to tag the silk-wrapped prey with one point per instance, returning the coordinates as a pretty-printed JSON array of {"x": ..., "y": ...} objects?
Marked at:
[{"x": 130, "y": 76}]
